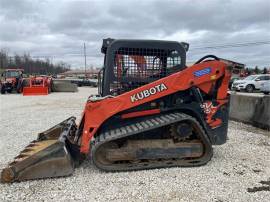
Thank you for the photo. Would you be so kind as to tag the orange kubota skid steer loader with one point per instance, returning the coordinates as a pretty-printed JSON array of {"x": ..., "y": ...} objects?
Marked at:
[{"x": 152, "y": 111}]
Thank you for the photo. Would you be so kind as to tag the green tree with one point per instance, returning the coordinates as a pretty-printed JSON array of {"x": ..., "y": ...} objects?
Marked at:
[
  {"x": 30, "y": 65},
  {"x": 256, "y": 70}
]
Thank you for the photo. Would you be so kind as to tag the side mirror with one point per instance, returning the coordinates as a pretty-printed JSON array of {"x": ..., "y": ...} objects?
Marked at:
[{"x": 257, "y": 79}]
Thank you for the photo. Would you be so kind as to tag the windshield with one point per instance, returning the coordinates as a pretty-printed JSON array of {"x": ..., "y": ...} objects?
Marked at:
[
  {"x": 11, "y": 74},
  {"x": 250, "y": 78}
]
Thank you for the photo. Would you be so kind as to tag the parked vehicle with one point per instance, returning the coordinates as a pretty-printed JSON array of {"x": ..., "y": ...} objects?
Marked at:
[
  {"x": 231, "y": 82},
  {"x": 12, "y": 80},
  {"x": 159, "y": 115},
  {"x": 265, "y": 87},
  {"x": 251, "y": 83},
  {"x": 37, "y": 85},
  {"x": 85, "y": 82}
]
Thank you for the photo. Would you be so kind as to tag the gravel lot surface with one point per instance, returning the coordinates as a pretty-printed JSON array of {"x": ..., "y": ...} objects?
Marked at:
[{"x": 240, "y": 164}]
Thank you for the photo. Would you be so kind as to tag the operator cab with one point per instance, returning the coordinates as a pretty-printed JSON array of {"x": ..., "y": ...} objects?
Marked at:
[
  {"x": 12, "y": 73},
  {"x": 129, "y": 64}
]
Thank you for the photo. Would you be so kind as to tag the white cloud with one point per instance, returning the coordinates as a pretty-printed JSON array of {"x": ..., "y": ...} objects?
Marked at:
[{"x": 58, "y": 29}]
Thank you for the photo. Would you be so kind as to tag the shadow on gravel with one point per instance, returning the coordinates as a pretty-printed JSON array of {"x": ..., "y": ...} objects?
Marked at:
[{"x": 261, "y": 188}]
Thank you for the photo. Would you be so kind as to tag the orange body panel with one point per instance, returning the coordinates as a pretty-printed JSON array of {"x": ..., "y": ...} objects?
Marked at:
[
  {"x": 140, "y": 113},
  {"x": 95, "y": 113}
]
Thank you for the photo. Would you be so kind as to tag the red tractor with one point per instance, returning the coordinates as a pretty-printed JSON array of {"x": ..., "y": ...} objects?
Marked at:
[
  {"x": 38, "y": 85},
  {"x": 12, "y": 80}
]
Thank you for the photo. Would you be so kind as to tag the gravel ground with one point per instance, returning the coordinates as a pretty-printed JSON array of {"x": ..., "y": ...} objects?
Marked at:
[{"x": 236, "y": 166}]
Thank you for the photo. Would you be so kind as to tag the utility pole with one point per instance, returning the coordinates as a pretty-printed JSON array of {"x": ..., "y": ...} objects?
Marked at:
[{"x": 84, "y": 48}]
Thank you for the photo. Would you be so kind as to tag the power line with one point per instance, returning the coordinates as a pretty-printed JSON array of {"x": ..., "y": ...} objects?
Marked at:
[
  {"x": 214, "y": 46},
  {"x": 208, "y": 43},
  {"x": 195, "y": 48},
  {"x": 232, "y": 45}
]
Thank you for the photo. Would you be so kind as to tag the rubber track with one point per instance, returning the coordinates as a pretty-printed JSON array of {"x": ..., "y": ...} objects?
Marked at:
[{"x": 140, "y": 126}]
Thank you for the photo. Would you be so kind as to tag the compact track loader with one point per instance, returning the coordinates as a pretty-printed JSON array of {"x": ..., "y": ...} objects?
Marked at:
[{"x": 152, "y": 111}]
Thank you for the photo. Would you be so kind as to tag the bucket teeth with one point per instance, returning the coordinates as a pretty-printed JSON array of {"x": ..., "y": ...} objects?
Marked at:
[
  {"x": 42, "y": 158},
  {"x": 27, "y": 149},
  {"x": 49, "y": 158},
  {"x": 33, "y": 148}
]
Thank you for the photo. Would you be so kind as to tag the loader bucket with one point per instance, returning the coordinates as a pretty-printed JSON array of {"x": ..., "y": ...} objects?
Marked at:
[
  {"x": 48, "y": 156},
  {"x": 35, "y": 90}
]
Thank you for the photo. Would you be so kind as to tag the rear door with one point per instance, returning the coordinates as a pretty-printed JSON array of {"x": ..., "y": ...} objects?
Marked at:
[
  {"x": 261, "y": 80},
  {"x": 266, "y": 84}
]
